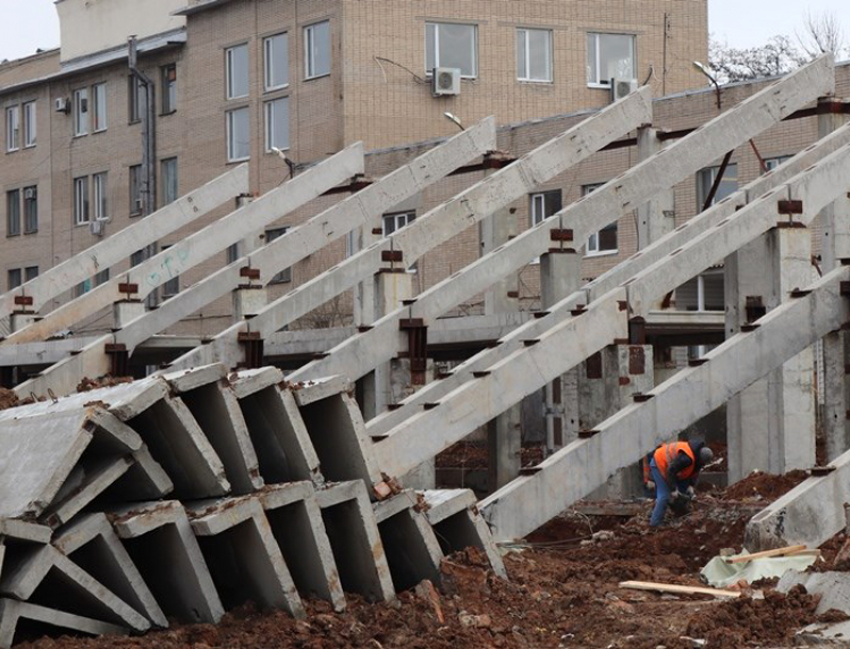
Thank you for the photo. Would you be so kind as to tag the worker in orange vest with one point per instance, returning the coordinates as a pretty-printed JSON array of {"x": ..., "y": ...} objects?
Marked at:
[{"x": 674, "y": 469}]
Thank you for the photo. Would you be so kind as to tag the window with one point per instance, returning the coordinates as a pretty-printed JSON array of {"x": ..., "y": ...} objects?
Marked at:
[
  {"x": 30, "y": 273},
  {"x": 81, "y": 200},
  {"x": 99, "y": 121},
  {"x": 277, "y": 124},
  {"x": 285, "y": 275},
  {"x": 544, "y": 205},
  {"x": 170, "y": 192},
  {"x": 276, "y": 61},
  {"x": 534, "y": 54},
  {"x": 449, "y": 45},
  {"x": 169, "y": 89},
  {"x": 137, "y": 203},
  {"x": 30, "y": 126},
  {"x": 102, "y": 277},
  {"x": 603, "y": 242},
  {"x": 100, "y": 185},
  {"x": 172, "y": 286},
  {"x": 702, "y": 293},
  {"x": 393, "y": 222},
  {"x": 236, "y": 63},
  {"x": 238, "y": 135},
  {"x": 13, "y": 213},
  {"x": 352, "y": 243},
  {"x": 705, "y": 181},
  {"x": 773, "y": 163},
  {"x": 317, "y": 50},
  {"x": 30, "y": 210},
  {"x": 232, "y": 253},
  {"x": 137, "y": 96},
  {"x": 81, "y": 112},
  {"x": 82, "y": 288},
  {"x": 610, "y": 56},
  {"x": 14, "y": 276},
  {"x": 13, "y": 128}
]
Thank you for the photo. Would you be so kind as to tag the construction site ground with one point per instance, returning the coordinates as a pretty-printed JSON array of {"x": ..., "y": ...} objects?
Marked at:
[{"x": 563, "y": 592}]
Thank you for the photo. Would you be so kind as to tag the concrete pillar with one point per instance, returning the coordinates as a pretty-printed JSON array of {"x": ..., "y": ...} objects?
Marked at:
[
  {"x": 560, "y": 276},
  {"x": 126, "y": 311},
  {"x": 835, "y": 245},
  {"x": 248, "y": 301},
  {"x": 501, "y": 297},
  {"x": 18, "y": 321},
  {"x": 656, "y": 217},
  {"x": 771, "y": 424}
]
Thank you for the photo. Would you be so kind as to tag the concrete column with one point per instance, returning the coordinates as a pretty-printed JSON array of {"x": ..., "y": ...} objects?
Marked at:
[
  {"x": 127, "y": 311},
  {"x": 560, "y": 276},
  {"x": 501, "y": 297},
  {"x": 835, "y": 245},
  {"x": 18, "y": 321},
  {"x": 248, "y": 301},
  {"x": 771, "y": 424},
  {"x": 656, "y": 217}
]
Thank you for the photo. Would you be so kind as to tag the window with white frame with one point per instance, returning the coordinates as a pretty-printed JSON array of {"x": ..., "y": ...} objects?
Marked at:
[
  {"x": 705, "y": 181},
  {"x": 544, "y": 205},
  {"x": 170, "y": 185},
  {"x": 30, "y": 124},
  {"x": 276, "y": 62},
  {"x": 773, "y": 163},
  {"x": 168, "y": 74},
  {"x": 317, "y": 50},
  {"x": 534, "y": 54},
  {"x": 452, "y": 45},
  {"x": 13, "y": 213},
  {"x": 30, "y": 195},
  {"x": 603, "y": 242},
  {"x": 702, "y": 293},
  {"x": 13, "y": 128},
  {"x": 238, "y": 135},
  {"x": 284, "y": 276},
  {"x": 137, "y": 201},
  {"x": 277, "y": 124},
  {"x": 99, "y": 117},
  {"x": 100, "y": 187},
  {"x": 236, "y": 64},
  {"x": 610, "y": 56},
  {"x": 137, "y": 96},
  {"x": 81, "y": 111},
  {"x": 81, "y": 200},
  {"x": 393, "y": 222}
]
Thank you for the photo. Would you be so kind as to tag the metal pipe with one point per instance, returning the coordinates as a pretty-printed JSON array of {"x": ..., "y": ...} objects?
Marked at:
[{"x": 148, "y": 189}]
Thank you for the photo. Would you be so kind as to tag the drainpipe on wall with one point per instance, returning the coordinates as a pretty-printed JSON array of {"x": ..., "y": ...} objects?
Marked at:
[{"x": 148, "y": 189}]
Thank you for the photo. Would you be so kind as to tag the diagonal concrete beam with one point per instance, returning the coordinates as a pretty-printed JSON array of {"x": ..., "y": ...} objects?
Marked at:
[
  {"x": 440, "y": 224},
  {"x": 363, "y": 352},
  {"x": 119, "y": 246},
  {"x": 201, "y": 245},
  {"x": 12, "y": 612},
  {"x": 570, "y": 474}
]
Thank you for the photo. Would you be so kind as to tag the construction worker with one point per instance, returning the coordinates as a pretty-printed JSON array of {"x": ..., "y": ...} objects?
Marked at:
[{"x": 674, "y": 469}]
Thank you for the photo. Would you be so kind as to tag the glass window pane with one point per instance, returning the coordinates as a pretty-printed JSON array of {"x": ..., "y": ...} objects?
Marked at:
[
  {"x": 30, "y": 131},
  {"x": 319, "y": 53},
  {"x": 13, "y": 213},
  {"x": 14, "y": 278},
  {"x": 99, "y": 97},
  {"x": 608, "y": 238},
  {"x": 592, "y": 69},
  {"x": 237, "y": 72},
  {"x": 457, "y": 48},
  {"x": 170, "y": 188},
  {"x": 521, "y": 67},
  {"x": 81, "y": 111},
  {"x": 101, "y": 196},
  {"x": 30, "y": 210},
  {"x": 277, "y": 124},
  {"x": 276, "y": 61},
  {"x": 615, "y": 57},
  {"x": 30, "y": 273},
  {"x": 430, "y": 46},
  {"x": 539, "y": 55},
  {"x": 136, "y": 203},
  {"x": 238, "y": 136}
]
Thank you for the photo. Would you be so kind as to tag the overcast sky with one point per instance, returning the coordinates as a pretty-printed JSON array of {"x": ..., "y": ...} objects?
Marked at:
[{"x": 30, "y": 24}]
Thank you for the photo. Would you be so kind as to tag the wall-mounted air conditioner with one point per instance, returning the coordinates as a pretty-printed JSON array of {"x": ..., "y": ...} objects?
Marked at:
[
  {"x": 62, "y": 105},
  {"x": 98, "y": 227},
  {"x": 622, "y": 87},
  {"x": 445, "y": 82}
]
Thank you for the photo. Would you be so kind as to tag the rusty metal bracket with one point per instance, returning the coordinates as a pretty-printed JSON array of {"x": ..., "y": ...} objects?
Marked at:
[
  {"x": 561, "y": 234},
  {"x": 253, "y": 348},
  {"x": 789, "y": 207},
  {"x": 754, "y": 308},
  {"x": 392, "y": 256},
  {"x": 250, "y": 273},
  {"x": 119, "y": 359},
  {"x": 637, "y": 331},
  {"x": 417, "y": 348}
]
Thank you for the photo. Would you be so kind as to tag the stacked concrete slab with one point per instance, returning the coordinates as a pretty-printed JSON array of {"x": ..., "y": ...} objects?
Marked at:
[{"x": 182, "y": 496}]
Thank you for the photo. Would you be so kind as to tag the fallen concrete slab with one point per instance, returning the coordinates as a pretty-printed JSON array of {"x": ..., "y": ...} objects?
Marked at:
[
  {"x": 91, "y": 543},
  {"x": 44, "y": 576},
  {"x": 356, "y": 543},
  {"x": 413, "y": 551},
  {"x": 208, "y": 396},
  {"x": 244, "y": 559},
  {"x": 296, "y": 522},
  {"x": 159, "y": 539},
  {"x": 12, "y": 612},
  {"x": 281, "y": 440},
  {"x": 459, "y": 525}
]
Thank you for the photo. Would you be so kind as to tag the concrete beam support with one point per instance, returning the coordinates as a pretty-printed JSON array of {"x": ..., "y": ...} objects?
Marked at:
[
  {"x": 570, "y": 474},
  {"x": 657, "y": 217},
  {"x": 12, "y": 612}
]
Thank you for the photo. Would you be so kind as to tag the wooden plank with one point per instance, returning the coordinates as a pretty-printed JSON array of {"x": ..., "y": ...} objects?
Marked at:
[
  {"x": 778, "y": 552},
  {"x": 675, "y": 588},
  {"x": 803, "y": 553}
]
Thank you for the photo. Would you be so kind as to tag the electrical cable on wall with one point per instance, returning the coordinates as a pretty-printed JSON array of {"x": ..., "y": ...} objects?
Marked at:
[{"x": 416, "y": 77}]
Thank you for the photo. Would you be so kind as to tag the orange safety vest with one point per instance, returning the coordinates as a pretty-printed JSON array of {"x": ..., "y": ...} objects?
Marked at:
[{"x": 666, "y": 453}]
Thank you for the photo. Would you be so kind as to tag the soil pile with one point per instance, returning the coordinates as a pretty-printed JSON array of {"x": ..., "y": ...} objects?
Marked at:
[{"x": 764, "y": 486}]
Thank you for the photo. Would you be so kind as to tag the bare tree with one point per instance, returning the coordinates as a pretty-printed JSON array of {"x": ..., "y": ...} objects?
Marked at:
[
  {"x": 778, "y": 56},
  {"x": 822, "y": 33}
]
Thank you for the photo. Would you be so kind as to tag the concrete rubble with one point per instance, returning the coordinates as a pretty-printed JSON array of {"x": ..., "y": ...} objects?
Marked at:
[{"x": 182, "y": 496}]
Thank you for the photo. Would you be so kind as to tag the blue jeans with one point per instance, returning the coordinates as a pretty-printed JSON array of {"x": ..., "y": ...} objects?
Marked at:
[{"x": 662, "y": 494}]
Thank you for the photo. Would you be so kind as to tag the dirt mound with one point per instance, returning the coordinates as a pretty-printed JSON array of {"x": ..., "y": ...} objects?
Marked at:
[{"x": 764, "y": 486}]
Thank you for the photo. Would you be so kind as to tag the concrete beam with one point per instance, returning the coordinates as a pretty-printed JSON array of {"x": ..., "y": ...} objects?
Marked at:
[
  {"x": 119, "y": 246},
  {"x": 296, "y": 522},
  {"x": 245, "y": 561},
  {"x": 356, "y": 543},
  {"x": 12, "y": 612},
  {"x": 577, "y": 469},
  {"x": 159, "y": 539},
  {"x": 284, "y": 450}
]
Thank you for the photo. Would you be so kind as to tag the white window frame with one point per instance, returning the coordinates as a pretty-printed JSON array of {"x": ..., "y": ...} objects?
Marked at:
[
  {"x": 82, "y": 205},
  {"x": 399, "y": 220},
  {"x": 100, "y": 195},
  {"x": 99, "y": 110},
  {"x": 30, "y": 226},
  {"x": 14, "y": 216},
  {"x": 169, "y": 89},
  {"x": 774, "y": 162},
  {"x": 309, "y": 60},
  {"x": 229, "y": 115},
  {"x": 703, "y": 187},
  {"x": 30, "y": 115},
  {"x": 436, "y": 24},
  {"x": 597, "y": 83},
  {"x": 269, "y": 68},
  {"x": 229, "y": 72},
  {"x": 591, "y": 248},
  {"x": 13, "y": 128},
  {"x": 166, "y": 166},
  {"x": 82, "y": 122},
  {"x": 523, "y": 75},
  {"x": 137, "y": 198},
  {"x": 269, "y": 115}
]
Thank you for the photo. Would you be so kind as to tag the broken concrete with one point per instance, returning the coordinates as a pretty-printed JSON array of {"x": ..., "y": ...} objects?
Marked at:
[
  {"x": 833, "y": 588},
  {"x": 12, "y": 611}
]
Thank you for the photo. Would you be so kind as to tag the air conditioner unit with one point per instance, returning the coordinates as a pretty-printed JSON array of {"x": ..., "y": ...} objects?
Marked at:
[
  {"x": 62, "y": 105},
  {"x": 98, "y": 227},
  {"x": 84, "y": 105},
  {"x": 622, "y": 87},
  {"x": 445, "y": 82},
  {"x": 138, "y": 205},
  {"x": 29, "y": 193}
]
